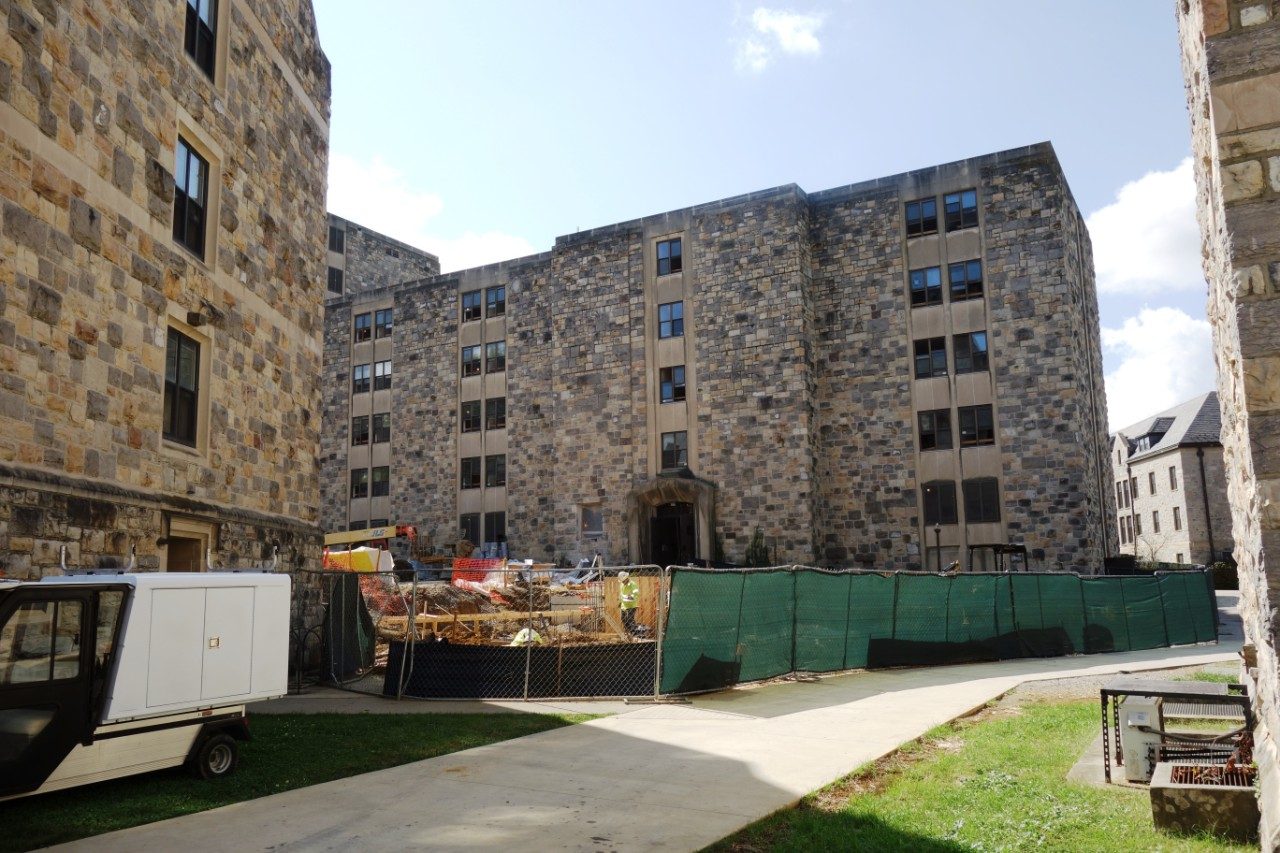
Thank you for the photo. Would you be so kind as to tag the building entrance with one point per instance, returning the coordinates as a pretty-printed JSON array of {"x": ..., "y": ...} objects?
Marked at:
[{"x": 672, "y": 538}]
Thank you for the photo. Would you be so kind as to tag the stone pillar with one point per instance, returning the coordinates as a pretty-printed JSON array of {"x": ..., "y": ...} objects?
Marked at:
[{"x": 1231, "y": 63}]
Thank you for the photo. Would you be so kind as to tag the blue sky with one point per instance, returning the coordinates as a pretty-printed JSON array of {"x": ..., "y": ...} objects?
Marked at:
[{"x": 481, "y": 131}]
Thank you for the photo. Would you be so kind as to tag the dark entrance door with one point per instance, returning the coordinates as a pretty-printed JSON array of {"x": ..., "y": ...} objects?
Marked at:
[{"x": 671, "y": 535}]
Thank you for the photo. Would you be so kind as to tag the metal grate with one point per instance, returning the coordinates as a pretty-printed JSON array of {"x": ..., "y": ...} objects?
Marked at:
[{"x": 1217, "y": 776}]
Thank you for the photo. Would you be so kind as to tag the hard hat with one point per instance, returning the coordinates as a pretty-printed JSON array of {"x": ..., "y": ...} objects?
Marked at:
[{"x": 623, "y": 576}]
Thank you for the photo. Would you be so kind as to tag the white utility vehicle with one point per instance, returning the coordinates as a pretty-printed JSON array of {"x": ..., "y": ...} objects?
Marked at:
[{"x": 108, "y": 675}]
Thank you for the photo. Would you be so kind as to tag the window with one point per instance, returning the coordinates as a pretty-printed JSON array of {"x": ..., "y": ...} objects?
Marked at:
[
  {"x": 1155, "y": 521},
  {"x": 495, "y": 301},
  {"x": 1137, "y": 524},
  {"x": 669, "y": 259},
  {"x": 381, "y": 375},
  {"x": 1177, "y": 519},
  {"x": 939, "y": 502},
  {"x": 360, "y": 379},
  {"x": 675, "y": 450},
  {"x": 1122, "y": 539},
  {"x": 961, "y": 209},
  {"x": 381, "y": 481},
  {"x": 41, "y": 642},
  {"x": 931, "y": 357},
  {"x": 382, "y": 323},
  {"x": 495, "y": 357},
  {"x": 976, "y": 426},
  {"x": 471, "y": 306},
  {"x": 1173, "y": 478},
  {"x": 360, "y": 483},
  {"x": 470, "y": 472},
  {"x": 181, "y": 388},
  {"x": 495, "y": 413},
  {"x": 971, "y": 352},
  {"x": 671, "y": 320},
  {"x": 981, "y": 500},
  {"x": 469, "y": 527},
  {"x": 1178, "y": 558},
  {"x": 1134, "y": 484},
  {"x": 202, "y": 32},
  {"x": 495, "y": 527},
  {"x": 360, "y": 430},
  {"x": 358, "y": 525},
  {"x": 363, "y": 326},
  {"x": 926, "y": 286},
  {"x": 377, "y": 522},
  {"x": 922, "y": 217},
  {"x": 335, "y": 280},
  {"x": 1127, "y": 499},
  {"x": 671, "y": 381},
  {"x": 592, "y": 522},
  {"x": 1151, "y": 481},
  {"x": 337, "y": 239},
  {"x": 966, "y": 280},
  {"x": 495, "y": 470},
  {"x": 471, "y": 416},
  {"x": 382, "y": 428},
  {"x": 471, "y": 361},
  {"x": 190, "y": 197},
  {"x": 935, "y": 430},
  {"x": 1119, "y": 496}
]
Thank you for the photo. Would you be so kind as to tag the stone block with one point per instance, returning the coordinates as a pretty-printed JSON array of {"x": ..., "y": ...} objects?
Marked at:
[
  {"x": 44, "y": 303},
  {"x": 86, "y": 225},
  {"x": 1252, "y": 16},
  {"x": 1242, "y": 180},
  {"x": 1228, "y": 811},
  {"x": 1248, "y": 103}
]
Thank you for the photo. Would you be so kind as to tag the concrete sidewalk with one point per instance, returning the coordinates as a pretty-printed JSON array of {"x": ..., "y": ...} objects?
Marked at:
[{"x": 674, "y": 777}]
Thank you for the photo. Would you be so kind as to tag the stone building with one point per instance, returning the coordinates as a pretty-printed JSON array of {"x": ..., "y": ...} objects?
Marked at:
[
  {"x": 858, "y": 373},
  {"x": 1170, "y": 488},
  {"x": 161, "y": 282},
  {"x": 1231, "y": 63}
]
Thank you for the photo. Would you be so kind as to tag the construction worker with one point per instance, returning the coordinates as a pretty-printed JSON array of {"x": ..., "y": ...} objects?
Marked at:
[
  {"x": 629, "y": 596},
  {"x": 527, "y": 637}
]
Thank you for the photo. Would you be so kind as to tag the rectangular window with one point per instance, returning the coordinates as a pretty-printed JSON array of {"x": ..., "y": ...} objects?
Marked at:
[
  {"x": 976, "y": 426},
  {"x": 381, "y": 481},
  {"x": 470, "y": 472},
  {"x": 358, "y": 525},
  {"x": 469, "y": 527},
  {"x": 931, "y": 357},
  {"x": 495, "y": 357},
  {"x": 495, "y": 299},
  {"x": 471, "y": 416},
  {"x": 671, "y": 382},
  {"x": 495, "y": 470},
  {"x": 381, "y": 375},
  {"x": 592, "y": 521},
  {"x": 1177, "y": 519},
  {"x": 981, "y": 500},
  {"x": 181, "y": 388},
  {"x": 961, "y": 209},
  {"x": 471, "y": 361},
  {"x": 495, "y": 413},
  {"x": 971, "y": 352},
  {"x": 939, "y": 502},
  {"x": 201, "y": 37},
  {"x": 966, "y": 280},
  {"x": 1178, "y": 558},
  {"x": 335, "y": 280},
  {"x": 935, "y": 430},
  {"x": 362, "y": 327},
  {"x": 360, "y": 379},
  {"x": 669, "y": 257},
  {"x": 1151, "y": 481},
  {"x": 1127, "y": 498},
  {"x": 471, "y": 306},
  {"x": 337, "y": 239},
  {"x": 671, "y": 320},
  {"x": 1119, "y": 496},
  {"x": 675, "y": 450},
  {"x": 1137, "y": 524},
  {"x": 190, "y": 197},
  {"x": 922, "y": 217},
  {"x": 1121, "y": 525},
  {"x": 40, "y": 642},
  {"x": 377, "y": 522},
  {"x": 360, "y": 430},
  {"x": 360, "y": 483},
  {"x": 926, "y": 286},
  {"x": 1155, "y": 521},
  {"x": 1173, "y": 478},
  {"x": 382, "y": 323},
  {"x": 1133, "y": 483},
  {"x": 382, "y": 428},
  {"x": 495, "y": 527}
]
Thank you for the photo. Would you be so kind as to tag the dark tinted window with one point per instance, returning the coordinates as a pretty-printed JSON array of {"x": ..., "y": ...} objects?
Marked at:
[
  {"x": 362, "y": 327},
  {"x": 335, "y": 280},
  {"x": 935, "y": 430},
  {"x": 672, "y": 384},
  {"x": 381, "y": 481},
  {"x": 471, "y": 416},
  {"x": 976, "y": 426},
  {"x": 360, "y": 429},
  {"x": 926, "y": 286},
  {"x": 939, "y": 500},
  {"x": 382, "y": 323},
  {"x": 495, "y": 301},
  {"x": 471, "y": 306},
  {"x": 922, "y": 217},
  {"x": 200, "y": 39},
  {"x": 669, "y": 256},
  {"x": 981, "y": 500},
  {"x": 181, "y": 388},
  {"x": 495, "y": 470},
  {"x": 360, "y": 379},
  {"x": 337, "y": 239},
  {"x": 931, "y": 357},
  {"x": 961, "y": 209},
  {"x": 671, "y": 320},
  {"x": 190, "y": 197},
  {"x": 971, "y": 352},
  {"x": 495, "y": 527},
  {"x": 675, "y": 450},
  {"x": 360, "y": 483},
  {"x": 471, "y": 361},
  {"x": 966, "y": 280},
  {"x": 495, "y": 357},
  {"x": 495, "y": 413},
  {"x": 382, "y": 428},
  {"x": 470, "y": 472}
]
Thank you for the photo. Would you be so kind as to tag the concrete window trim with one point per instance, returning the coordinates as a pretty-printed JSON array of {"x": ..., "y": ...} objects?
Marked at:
[
  {"x": 203, "y": 336},
  {"x": 188, "y": 539},
  {"x": 961, "y": 210},
  {"x": 189, "y": 133},
  {"x": 220, "y": 21},
  {"x": 669, "y": 255},
  {"x": 920, "y": 216}
]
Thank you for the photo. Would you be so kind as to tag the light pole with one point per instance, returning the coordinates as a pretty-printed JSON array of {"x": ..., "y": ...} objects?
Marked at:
[{"x": 937, "y": 547}]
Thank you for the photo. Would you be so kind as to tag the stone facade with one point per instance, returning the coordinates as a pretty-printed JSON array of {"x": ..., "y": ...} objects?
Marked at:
[
  {"x": 796, "y": 352},
  {"x": 369, "y": 260},
  {"x": 94, "y": 100},
  {"x": 1231, "y": 63}
]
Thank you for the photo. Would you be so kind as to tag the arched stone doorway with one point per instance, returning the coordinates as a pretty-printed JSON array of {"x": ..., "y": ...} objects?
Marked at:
[{"x": 671, "y": 520}]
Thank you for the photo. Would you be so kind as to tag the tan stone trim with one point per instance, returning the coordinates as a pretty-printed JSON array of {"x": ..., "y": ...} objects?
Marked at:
[
  {"x": 176, "y": 320},
  {"x": 299, "y": 91}
]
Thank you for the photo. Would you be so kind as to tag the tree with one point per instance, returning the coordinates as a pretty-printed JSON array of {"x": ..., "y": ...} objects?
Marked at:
[{"x": 757, "y": 553}]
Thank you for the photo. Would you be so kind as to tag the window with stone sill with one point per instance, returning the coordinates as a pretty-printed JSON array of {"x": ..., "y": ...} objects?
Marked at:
[
  {"x": 931, "y": 357},
  {"x": 1151, "y": 481},
  {"x": 469, "y": 527},
  {"x": 675, "y": 450},
  {"x": 939, "y": 502},
  {"x": 966, "y": 280},
  {"x": 335, "y": 280},
  {"x": 382, "y": 376},
  {"x": 592, "y": 520},
  {"x": 671, "y": 319},
  {"x": 190, "y": 198},
  {"x": 1133, "y": 485},
  {"x": 1173, "y": 478},
  {"x": 961, "y": 209},
  {"x": 971, "y": 352},
  {"x": 471, "y": 361},
  {"x": 671, "y": 384},
  {"x": 360, "y": 483},
  {"x": 935, "y": 429},
  {"x": 926, "y": 286},
  {"x": 382, "y": 428},
  {"x": 977, "y": 426},
  {"x": 471, "y": 416},
  {"x": 181, "y": 417},
  {"x": 1177, "y": 518},
  {"x": 470, "y": 473},
  {"x": 981, "y": 500},
  {"x": 357, "y": 525},
  {"x": 1137, "y": 524},
  {"x": 922, "y": 217},
  {"x": 381, "y": 481},
  {"x": 495, "y": 527},
  {"x": 495, "y": 413},
  {"x": 359, "y": 430},
  {"x": 495, "y": 471},
  {"x": 472, "y": 307},
  {"x": 378, "y": 522},
  {"x": 201, "y": 36},
  {"x": 337, "y": 239},
  {"x": 1155, "y": 521},
  {"x": 382, "y": 323},
  {"x": 495, "y": 299},
  {"x": 670, "y": 259},
  {"x": 362, "y": 327},
  {"x": 495, "y": 357},
  {"x": 360, "y": 379}
]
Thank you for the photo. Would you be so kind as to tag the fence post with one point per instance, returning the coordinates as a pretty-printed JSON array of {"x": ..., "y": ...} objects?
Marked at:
[
  {"x": 795, "y": 607},
  {"x": 893, "y": 625},
  {"x": 1124, "y": 609},
  {"x": 407, "y": 657},
  {"x": 662, "y": 610},
  {"x": 1164, "y": 617},
  {"x": 528, "y": 645}
]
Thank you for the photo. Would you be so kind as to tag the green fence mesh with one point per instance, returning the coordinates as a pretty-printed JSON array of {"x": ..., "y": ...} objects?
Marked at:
[{"x": 726, "y": 627}]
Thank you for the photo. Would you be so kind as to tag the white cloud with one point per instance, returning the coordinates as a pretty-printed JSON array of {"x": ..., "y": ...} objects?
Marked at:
[
  {"x": 381, "y": 197},
  {"x": 1147, "y": 240},
  {"x": 774, "y": 31},
  {"x": 1158, "y": 359}
]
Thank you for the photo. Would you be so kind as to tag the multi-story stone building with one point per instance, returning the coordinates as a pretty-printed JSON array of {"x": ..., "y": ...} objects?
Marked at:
[
  {"x": 1170, "y": 488},
  {"x": 860, "y": 373},
  {"x": 161, "y": 282}
]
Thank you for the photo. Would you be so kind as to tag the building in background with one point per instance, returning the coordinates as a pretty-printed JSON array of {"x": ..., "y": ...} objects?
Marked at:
[
  {"x": 861, "y": 373},
  {"x": 161, "y": 290},
  {"x": 1170, "y": 488}
]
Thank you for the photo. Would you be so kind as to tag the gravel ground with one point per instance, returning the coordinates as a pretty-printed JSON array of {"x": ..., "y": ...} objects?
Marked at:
[{"x": 1065, "y": 689}]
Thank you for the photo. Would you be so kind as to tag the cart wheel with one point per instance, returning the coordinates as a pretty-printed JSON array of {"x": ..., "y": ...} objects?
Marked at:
[{"x": 217, "y": 757}]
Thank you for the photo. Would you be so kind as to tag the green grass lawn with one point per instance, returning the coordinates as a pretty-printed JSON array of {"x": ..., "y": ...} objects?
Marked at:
[
  {"x": 994, "y": 784},
  {"x": 288, "y": 751}
]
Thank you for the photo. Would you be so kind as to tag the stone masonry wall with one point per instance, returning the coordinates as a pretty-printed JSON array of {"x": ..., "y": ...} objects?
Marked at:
[
  {"x": 374, "y": 261},
  {"x": 335, "y": 437},
  {"x": 1231, "y": 64}
]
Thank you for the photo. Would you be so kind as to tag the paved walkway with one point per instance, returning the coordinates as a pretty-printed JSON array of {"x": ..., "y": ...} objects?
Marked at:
[{"x": 673, "y": 777}]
